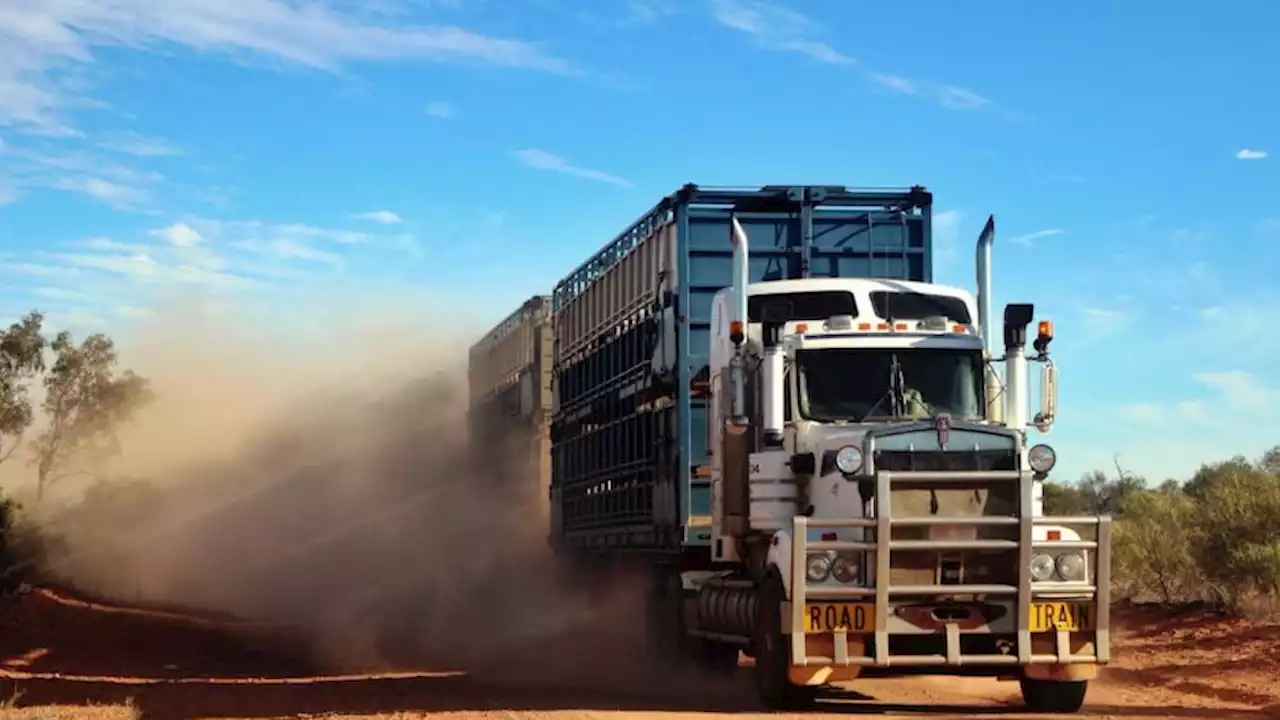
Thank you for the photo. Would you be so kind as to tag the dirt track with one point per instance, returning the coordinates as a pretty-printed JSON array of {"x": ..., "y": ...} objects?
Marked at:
[{"x": 61, "y": 651}]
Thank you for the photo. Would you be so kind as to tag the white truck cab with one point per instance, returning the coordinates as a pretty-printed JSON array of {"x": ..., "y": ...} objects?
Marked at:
[{"x": 872, "y": 476}]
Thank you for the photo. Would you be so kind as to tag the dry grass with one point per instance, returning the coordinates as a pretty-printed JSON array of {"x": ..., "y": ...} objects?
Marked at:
[{"x": 72, "y": 712}]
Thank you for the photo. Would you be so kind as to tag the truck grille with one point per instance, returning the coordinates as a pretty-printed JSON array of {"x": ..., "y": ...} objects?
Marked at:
[
  {"x": 905, "y": 460},
  {"x": 952, "y": 500}
]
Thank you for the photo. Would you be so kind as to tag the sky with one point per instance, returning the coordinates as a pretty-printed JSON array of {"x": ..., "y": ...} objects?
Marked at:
[{"x": 259, "y": 150}]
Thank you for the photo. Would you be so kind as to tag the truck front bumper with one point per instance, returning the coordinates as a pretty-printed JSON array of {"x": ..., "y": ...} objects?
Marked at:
[{"x": 1014, "y": 642}]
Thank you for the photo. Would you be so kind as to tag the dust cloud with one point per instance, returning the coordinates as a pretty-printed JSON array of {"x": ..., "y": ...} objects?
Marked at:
[{"x": 320, "y": 476}]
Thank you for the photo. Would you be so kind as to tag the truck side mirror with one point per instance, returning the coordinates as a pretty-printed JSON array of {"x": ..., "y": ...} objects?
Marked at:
[
  {"x": 1016, "y": 318},
  {"x": 1048, "y": 397}
]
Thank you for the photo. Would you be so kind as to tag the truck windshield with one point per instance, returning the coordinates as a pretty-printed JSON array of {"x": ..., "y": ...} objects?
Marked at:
[{"x": 855, "y": 384}]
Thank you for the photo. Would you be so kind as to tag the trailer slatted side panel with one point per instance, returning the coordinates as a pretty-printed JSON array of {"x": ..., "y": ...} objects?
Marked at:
[
  {"x": 610, "y": 451},
  {"x": 629, "y": 436},
  {"x": 510, "y": 389}
]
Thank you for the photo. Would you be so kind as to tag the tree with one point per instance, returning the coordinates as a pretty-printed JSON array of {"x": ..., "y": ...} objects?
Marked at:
[
  {"x": 22, "y": 348},
  {"x": 1270, "y": 462},
  {"x": 85, "y": 403},
  {"x": 1106, "y": 496},
  {"x": 1062, "y": 499},
  {"x": 1200, "y": 484}
]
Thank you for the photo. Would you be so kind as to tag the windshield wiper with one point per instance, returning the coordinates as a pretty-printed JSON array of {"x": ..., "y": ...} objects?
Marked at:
[{"x": 897, "y": 400}]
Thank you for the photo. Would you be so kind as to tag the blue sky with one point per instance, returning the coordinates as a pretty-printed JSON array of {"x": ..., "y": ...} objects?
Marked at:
[{"x": 482, "y": 148}]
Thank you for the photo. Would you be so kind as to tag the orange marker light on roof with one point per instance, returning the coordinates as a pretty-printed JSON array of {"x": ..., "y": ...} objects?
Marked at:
[
  {"x": 802, "y": 328},
  {"x": 735, "y": 332},
  {"x": 1044, "y": 336}
]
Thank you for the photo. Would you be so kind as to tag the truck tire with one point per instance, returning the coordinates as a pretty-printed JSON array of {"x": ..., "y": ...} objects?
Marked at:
[
  {"x": 1054, "y": 696},
  {"x": 773, "y": 652}
]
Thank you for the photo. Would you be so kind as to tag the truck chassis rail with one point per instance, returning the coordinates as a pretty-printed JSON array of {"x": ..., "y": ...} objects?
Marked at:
[{"x": 1098, "y": 593}]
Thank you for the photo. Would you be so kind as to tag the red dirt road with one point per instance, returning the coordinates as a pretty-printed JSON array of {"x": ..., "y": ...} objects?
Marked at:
[{"x": 57, "y": 651}]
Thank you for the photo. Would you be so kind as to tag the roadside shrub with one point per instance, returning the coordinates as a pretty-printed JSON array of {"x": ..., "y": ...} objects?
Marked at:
[
  {"x": 1152, "y": 547},
  {"x": 1237, "y": 546},
  {"x": 1215, "y": 537}
]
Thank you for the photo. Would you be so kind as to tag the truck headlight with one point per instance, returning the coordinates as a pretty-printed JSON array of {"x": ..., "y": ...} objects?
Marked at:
[
  {"x": 1042, "y": 458},
  {"x": 818, "y": 567},
  {"x": 1071, "y": 566},
  {"x": 848, "y": 459},
  {"x": 845, "y": 568},
  {"x": 1042, "y": 567}
]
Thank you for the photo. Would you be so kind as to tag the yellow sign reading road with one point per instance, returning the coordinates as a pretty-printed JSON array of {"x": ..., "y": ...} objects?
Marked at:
[{"x": 834, "y": 617}]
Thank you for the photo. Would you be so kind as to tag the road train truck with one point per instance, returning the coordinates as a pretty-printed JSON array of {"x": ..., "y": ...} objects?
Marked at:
[{"x": 820, "y": 456}]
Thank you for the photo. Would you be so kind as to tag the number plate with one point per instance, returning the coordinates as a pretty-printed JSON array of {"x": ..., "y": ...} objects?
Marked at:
[
  {"x": 833, "y": 617},
  {"x": 1071, "y": 616}
]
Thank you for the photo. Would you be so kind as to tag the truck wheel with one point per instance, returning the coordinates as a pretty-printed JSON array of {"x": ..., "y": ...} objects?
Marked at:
[
  {"x": 1054, "y": 696},
  {"x": 773, "y": 653}
]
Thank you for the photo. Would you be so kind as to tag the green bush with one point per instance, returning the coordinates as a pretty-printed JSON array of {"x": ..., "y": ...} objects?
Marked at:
[
  {"x": 1215, "y": 537},
  {"x": 1151, "y": 551}
]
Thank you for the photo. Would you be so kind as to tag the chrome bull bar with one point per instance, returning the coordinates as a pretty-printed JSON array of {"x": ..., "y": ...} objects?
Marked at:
[{"x": 1098, "y": 593}]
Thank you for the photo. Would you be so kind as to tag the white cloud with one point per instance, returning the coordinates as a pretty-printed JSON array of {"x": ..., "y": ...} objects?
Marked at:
[
  {"x": 41, "y": 40},
  {"x": 543, "y": 160},
  {"x": 130, "y": 143},
  {"x": 211, "y": 254},
  {"x": 776, "y": 27},
  {"x": 115, "y": 185},
  {"x": 179, "y": 234},
  {"x": 646, "y": 12},
  {"x": 121, "y": 197},
  {"x": 60, "y": 293},
  {"x": 259, "y": 229},
  {"x": 1242, "y": 391},
  {"x": 105, "y": 243},
  {"x": 896, "y": 83},
  {"x": 382, "y": 217},
  {"x": 38, "y": 270},
  {"x": 1030, "y": 238},
  {"x": 1232, "y": 321},
  {"x": 1248, "y": 154},
  {"x": 951, "y": 97},
  {"x": 1098, "y": 324},
  {"x": 286, "y": 249},
  {"x": 144, "y": 267},
  {"x": 1221, "y": 413},
  {"x": 958, "y": 98},
  {"x": 441, "y": 109},
  {"x": 1144, "y": 414}
]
